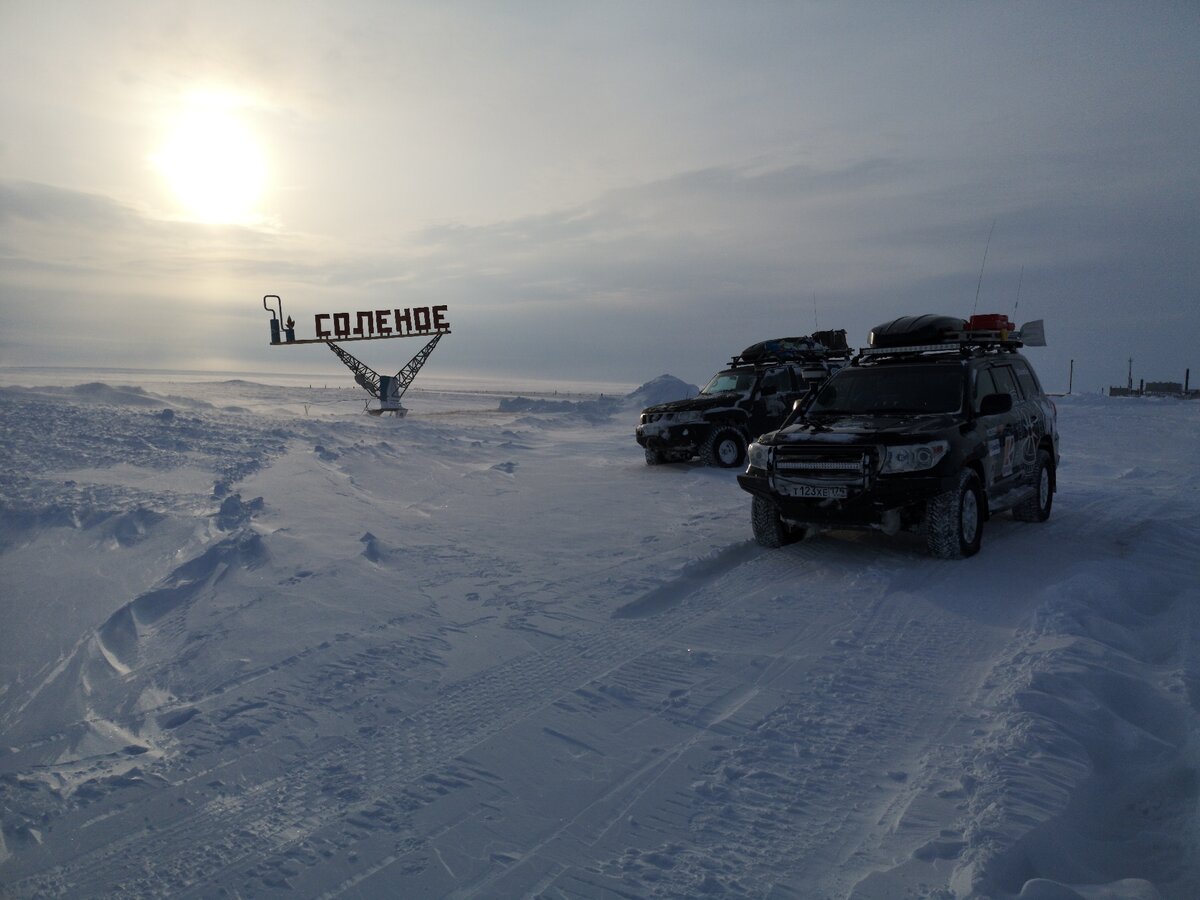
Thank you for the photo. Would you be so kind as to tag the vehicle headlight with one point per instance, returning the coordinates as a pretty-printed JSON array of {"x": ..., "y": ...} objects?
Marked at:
[
  {"x": 758, "y": 456},
  {"x": 685, "y": 418},
  {"x": 913, "y": 457}
]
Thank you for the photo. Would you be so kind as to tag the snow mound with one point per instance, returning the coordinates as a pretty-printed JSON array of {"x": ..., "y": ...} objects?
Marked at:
[
  {"x": 599, "y": 410},
  {"x": 99, "y": 392},
  {"x": 92, "y": 393},
  {"x": 1091, "y": 745},
  {"x": 121, "y": 637},
  {"x": 528, "y": 404},
  {"x": 374, "y": 549},
  {"x": 662, "y": 389}
]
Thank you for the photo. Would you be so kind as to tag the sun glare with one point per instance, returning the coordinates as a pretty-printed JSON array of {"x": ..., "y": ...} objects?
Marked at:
[{"x": 213, "y": 162}]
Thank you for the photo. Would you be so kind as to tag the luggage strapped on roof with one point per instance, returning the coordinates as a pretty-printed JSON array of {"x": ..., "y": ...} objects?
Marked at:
[{"x": 818, "y": 347}]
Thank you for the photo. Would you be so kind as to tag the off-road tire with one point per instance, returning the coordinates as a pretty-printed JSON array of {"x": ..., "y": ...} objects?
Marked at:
[
  {"x": 954, "y": 519},
  {"x": 724, "y": 448},
  {"x": 655, "y": 457},
  {"x": 769, "y": 529},
  {"x": 1037, "y": 507}
]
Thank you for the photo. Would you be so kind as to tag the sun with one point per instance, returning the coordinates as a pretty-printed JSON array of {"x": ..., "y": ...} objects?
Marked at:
[{"x": 213, "y": 162}]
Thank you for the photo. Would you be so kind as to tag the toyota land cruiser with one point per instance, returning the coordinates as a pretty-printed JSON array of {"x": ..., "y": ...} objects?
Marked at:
[{"x": 937, "y": 426}]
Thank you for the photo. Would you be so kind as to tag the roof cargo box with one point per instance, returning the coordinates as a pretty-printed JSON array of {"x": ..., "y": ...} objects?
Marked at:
[{"x": 909, "y": 330}]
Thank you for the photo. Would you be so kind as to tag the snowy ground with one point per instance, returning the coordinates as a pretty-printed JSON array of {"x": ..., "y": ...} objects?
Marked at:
[{"x": 254, "y": 642}]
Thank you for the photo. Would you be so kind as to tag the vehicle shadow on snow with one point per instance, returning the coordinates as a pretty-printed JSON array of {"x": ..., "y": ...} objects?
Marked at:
[
  {"x": 694, "y": 576},
  {"x": 692, "y": 467},
  {"x": 1004, "y": 578}
]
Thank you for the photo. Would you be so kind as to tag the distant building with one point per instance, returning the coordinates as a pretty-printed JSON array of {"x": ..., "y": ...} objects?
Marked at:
[{"x": 1157, "y": 389}]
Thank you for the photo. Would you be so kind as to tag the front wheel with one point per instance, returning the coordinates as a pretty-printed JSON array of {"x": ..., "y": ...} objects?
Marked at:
[
  {"x": 769, "y": 529},
  {"x": 725, "y": 448},
  {"x": 954, "y": 520},
  {"x": 1037, "y": 507}
]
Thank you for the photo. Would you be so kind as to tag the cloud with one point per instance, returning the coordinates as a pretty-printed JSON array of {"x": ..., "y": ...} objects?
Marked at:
[
  {"x": 42, "y": 203},
  {"x": 674, "y": 275},
  {"x": 619, "y": 190}
]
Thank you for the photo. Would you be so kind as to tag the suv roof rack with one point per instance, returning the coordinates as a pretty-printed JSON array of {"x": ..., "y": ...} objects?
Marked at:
[
  {"x": 819, "y": 346},
  {"x": 917, "y": 335}
]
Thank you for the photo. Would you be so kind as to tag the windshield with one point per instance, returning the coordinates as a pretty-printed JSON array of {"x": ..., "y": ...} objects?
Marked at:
[
  {"x": 741, "y": 382},
  {"x": 890, "y": 390}
]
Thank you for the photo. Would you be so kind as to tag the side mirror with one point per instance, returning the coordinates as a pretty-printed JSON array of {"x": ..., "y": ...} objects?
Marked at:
[{"x": 995, "y": 404}]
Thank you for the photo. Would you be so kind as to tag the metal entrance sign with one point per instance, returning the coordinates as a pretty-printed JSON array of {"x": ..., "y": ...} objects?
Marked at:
[
  {"x": 368, "y": 325},
  {"x": 382, "y": 323}
]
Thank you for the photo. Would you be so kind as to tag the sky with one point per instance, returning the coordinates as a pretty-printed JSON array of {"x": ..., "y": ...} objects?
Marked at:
[{"x": 596, "y": 190}]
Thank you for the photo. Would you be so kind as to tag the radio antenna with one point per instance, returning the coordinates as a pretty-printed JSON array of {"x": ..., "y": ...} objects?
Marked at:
[
  {"x": 816, "y": 324},
  {"x": 981, "y": 266},
  {"x": 1020, "y": 278}
]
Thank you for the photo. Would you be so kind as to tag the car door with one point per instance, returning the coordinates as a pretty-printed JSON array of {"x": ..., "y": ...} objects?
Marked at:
[
  {"x": 1019, "y": 443},
  {"x": 1037, "y": 410},
  {"x": 997, "y": 429}
]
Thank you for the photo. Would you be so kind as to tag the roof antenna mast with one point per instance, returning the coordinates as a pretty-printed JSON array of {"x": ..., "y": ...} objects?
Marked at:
[
  {"x": 1020, "y": 278},
  {"x": 981, "y": 266}
]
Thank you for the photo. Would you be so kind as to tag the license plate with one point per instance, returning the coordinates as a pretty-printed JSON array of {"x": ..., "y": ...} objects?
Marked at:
[{"x": 791, "y": 489}]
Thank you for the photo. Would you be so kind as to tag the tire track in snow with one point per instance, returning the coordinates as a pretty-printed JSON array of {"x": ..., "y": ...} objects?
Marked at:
[
  {"x": 185, "y": 856},
  {"x": 805, "y": 782},
  {"x": 813, "y": 744}
]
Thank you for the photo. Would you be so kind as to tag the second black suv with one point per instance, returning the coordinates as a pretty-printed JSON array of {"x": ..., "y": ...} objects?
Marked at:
[
  {"x": 754, "y": 395},
  {"x": 937, "y": 426}
]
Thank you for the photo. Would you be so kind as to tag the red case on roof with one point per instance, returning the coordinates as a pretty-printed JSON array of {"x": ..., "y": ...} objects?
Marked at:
[{"x": 989, "y": 322}]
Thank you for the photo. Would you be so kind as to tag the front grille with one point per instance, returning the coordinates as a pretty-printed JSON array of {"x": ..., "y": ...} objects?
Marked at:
[
  {"x": 796, "y": 462},
  {"x": 648, "y": 418}
]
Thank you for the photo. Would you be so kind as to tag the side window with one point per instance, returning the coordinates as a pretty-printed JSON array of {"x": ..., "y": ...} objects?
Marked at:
[
  {"x": 1006, "y": 382},
  {"x": 778, "y": 379},
  {"x": 984, "y": 385},
  {"x": 1028, "y": 381}
]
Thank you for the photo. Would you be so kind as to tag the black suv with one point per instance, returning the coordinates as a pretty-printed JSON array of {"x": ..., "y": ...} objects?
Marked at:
[
  {"x": 754, "y": 395},
  {"x": 935, "y": 427}
]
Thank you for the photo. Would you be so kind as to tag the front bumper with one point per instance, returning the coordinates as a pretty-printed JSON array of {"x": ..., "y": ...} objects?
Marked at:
[
  {"x": 871, "y": 501},
  {"x": 671, "y": 437}
]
